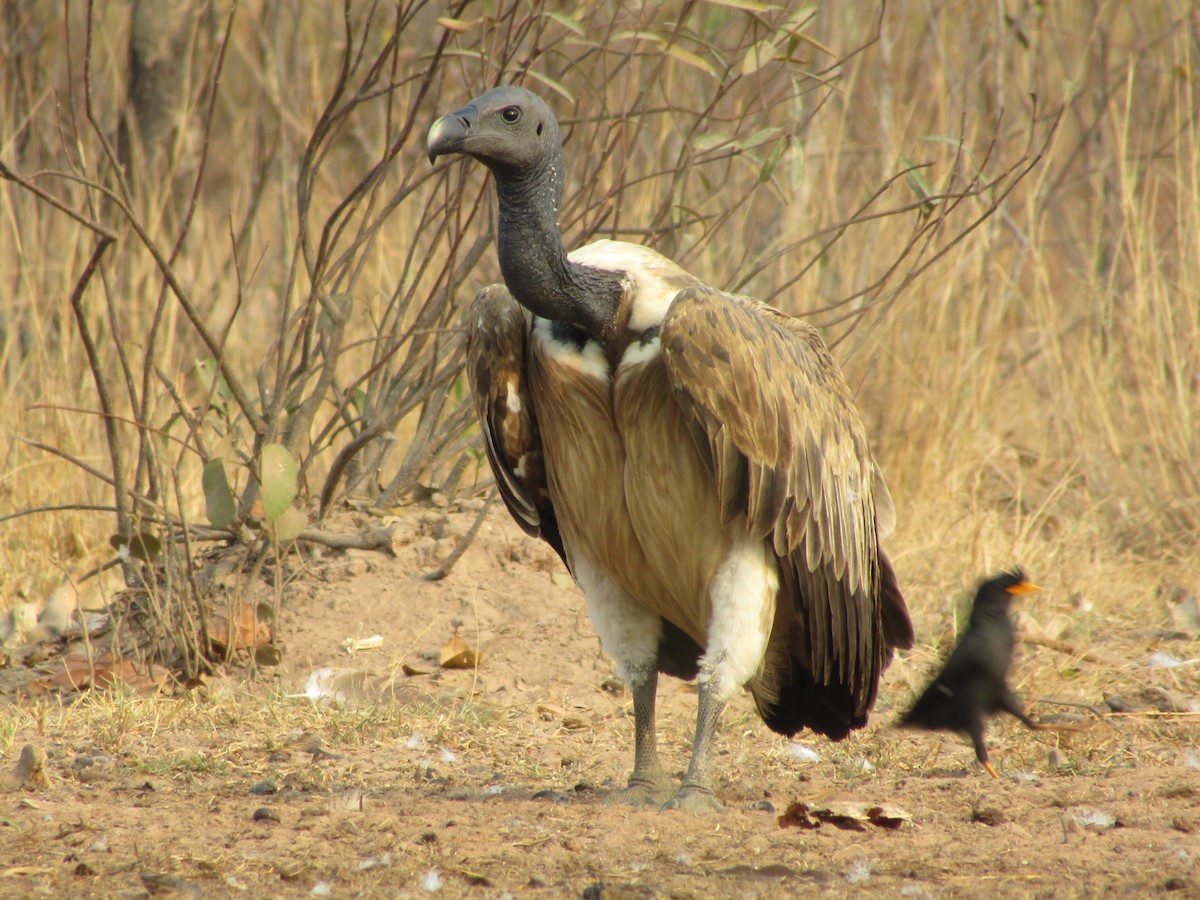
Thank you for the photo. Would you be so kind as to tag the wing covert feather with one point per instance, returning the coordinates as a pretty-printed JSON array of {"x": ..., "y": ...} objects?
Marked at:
[
  {"x": 771, "y": 409},
  {"x": 497, "y": 337}
]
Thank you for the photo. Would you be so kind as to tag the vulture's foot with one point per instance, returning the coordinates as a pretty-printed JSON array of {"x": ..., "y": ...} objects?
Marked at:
[
  {"x": 644, "y": 792},
  {"x": 694, "y": 799}
]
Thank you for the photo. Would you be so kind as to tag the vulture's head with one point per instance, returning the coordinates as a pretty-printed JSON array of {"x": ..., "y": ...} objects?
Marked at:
[{"x": 508, "y": 129}]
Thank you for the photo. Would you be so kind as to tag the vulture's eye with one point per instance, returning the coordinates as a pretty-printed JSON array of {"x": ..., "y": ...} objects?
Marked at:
[{"x": 511, "y": 114}]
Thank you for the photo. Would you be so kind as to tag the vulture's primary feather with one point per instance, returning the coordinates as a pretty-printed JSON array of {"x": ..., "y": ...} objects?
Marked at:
[{"x": 695, "y": 457}]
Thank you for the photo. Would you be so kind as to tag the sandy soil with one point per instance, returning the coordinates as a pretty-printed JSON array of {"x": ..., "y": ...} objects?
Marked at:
[{"x": 492, "y": 781}]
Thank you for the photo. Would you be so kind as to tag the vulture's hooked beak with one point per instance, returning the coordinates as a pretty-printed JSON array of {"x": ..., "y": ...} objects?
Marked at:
[{"x": 449, "y": 133}]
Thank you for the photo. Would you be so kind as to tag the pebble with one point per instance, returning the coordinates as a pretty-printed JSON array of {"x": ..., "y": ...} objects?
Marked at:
[{"x": 265, "y": 787}]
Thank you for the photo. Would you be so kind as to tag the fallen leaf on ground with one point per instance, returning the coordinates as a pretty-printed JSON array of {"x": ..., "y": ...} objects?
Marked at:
[
  {"x": 75, "y": 673},
  {"x": 457, "y": 654},
  {"x": 240, "y": 629},
  {"x": 849, "y": 815}
]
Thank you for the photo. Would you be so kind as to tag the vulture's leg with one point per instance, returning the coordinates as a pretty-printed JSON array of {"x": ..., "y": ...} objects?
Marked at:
[
  {"x": 696, "y": 793},
  {"x": 630, "y": 634},
  {"x": 648, "y": 783},
  {"x": 743, "y": 596}
]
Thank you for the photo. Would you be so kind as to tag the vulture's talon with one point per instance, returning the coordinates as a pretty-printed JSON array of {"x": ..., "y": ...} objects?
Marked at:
[
  {"x": 694, "y": 799},
  {"x": 641, "y": 792}
]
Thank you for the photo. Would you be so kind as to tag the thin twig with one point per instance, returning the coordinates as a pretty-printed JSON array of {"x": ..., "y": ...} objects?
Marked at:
[
  {"x": 1063, "y": 647},
  {"x": 448, "y": 563}
]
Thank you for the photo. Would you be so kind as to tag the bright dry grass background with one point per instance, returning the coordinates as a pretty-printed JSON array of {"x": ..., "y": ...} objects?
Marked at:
[
  {"x": 1033, "y": 395},
  {"x": 1029, "y": 372}
]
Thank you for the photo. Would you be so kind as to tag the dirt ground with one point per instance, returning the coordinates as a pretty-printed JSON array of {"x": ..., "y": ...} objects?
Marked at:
[{"x": 492, "y": 781}]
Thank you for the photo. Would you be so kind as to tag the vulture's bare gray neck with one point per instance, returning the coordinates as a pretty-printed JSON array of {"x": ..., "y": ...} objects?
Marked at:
[{"x": 534, "y": 261}]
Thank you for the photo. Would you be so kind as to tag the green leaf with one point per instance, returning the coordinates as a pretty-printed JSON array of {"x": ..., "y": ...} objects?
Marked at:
[
  {"x": 218, "y": 498},
  {"x": 268, "y": 655},
  {"x": 143, "y": 545},
  {"x": 918, "y": 185},
  {"x": 287, "y": 526},
  {"x": 278, "y": 473},
  {"x": 758, "y": 55},
  {"x": 745, "y": 5},
  {"x": 208, "y": 372},
  {"x": 772, "y": 160},
  {"x": 549, "y": 82},
  {"x": 566, "y": 22}
]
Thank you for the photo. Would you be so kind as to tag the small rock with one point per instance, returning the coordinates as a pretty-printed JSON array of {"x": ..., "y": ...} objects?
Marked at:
[
  {"x": 1119, "y": 704},
  {"x": 161, "y": 885},
  {"x": 1056, "y": 759},
  {"x": 860, "y": 871},
  {"x": 1185, "y": 612},
  {"x": 431, "y": 881},
  {"x": 552, "y": 796},
  {"x": 989, "y": 816},
  {"x": 762, "y": 806},
  {"x": 614, "y": 686},
  {"x": 1096, "y": 819},
  {"x": 60, "y": 607},
  {"x": 356, "y": 566},
  {"x": 266, "y": 814},
  {"x": 803, "y": 754},
  {"x": 264, "y": 788},
  {"x": 30, "y": 770}
]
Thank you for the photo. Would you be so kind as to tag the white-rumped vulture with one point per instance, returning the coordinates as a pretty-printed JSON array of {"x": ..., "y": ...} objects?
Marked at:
[{"x": 694, "y": 457}]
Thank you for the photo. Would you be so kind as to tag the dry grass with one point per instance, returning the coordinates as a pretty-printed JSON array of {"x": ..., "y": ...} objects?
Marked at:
[{"x": 1033, "y": 396}]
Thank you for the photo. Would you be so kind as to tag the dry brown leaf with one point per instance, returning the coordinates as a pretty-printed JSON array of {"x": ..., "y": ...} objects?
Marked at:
[
  {"x": 20, "y": 871},
  {"x": 459, "y": 25},
  {"x": 885, "y": 815},
  {"x": 76, "y": 674},
  {"x": 457, "y": 654},
  {"x": 410, "y": 671},
  {"x": 848, "y": 815},
  {"x": 241, "y": 629},
  {"x": 797, "y": 816},
  {"x": 548, "y": 712}
]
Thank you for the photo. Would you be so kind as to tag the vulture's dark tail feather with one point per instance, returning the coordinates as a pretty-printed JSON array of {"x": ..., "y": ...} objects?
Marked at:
[
  {"x": 897, "y": 626},
  {"x": 801, "y": 703}
]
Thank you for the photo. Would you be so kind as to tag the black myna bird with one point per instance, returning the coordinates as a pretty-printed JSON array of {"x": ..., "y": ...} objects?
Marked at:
[{"x": 974, "y": 682}]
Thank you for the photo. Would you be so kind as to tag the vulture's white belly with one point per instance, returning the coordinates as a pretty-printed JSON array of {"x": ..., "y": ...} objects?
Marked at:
[{"x": 631, "y": 492}]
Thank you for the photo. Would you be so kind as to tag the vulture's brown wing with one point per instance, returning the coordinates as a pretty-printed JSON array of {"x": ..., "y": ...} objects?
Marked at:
[
  {"x": 770, "y": 407},
  {"x": 497, "y": 333}
]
